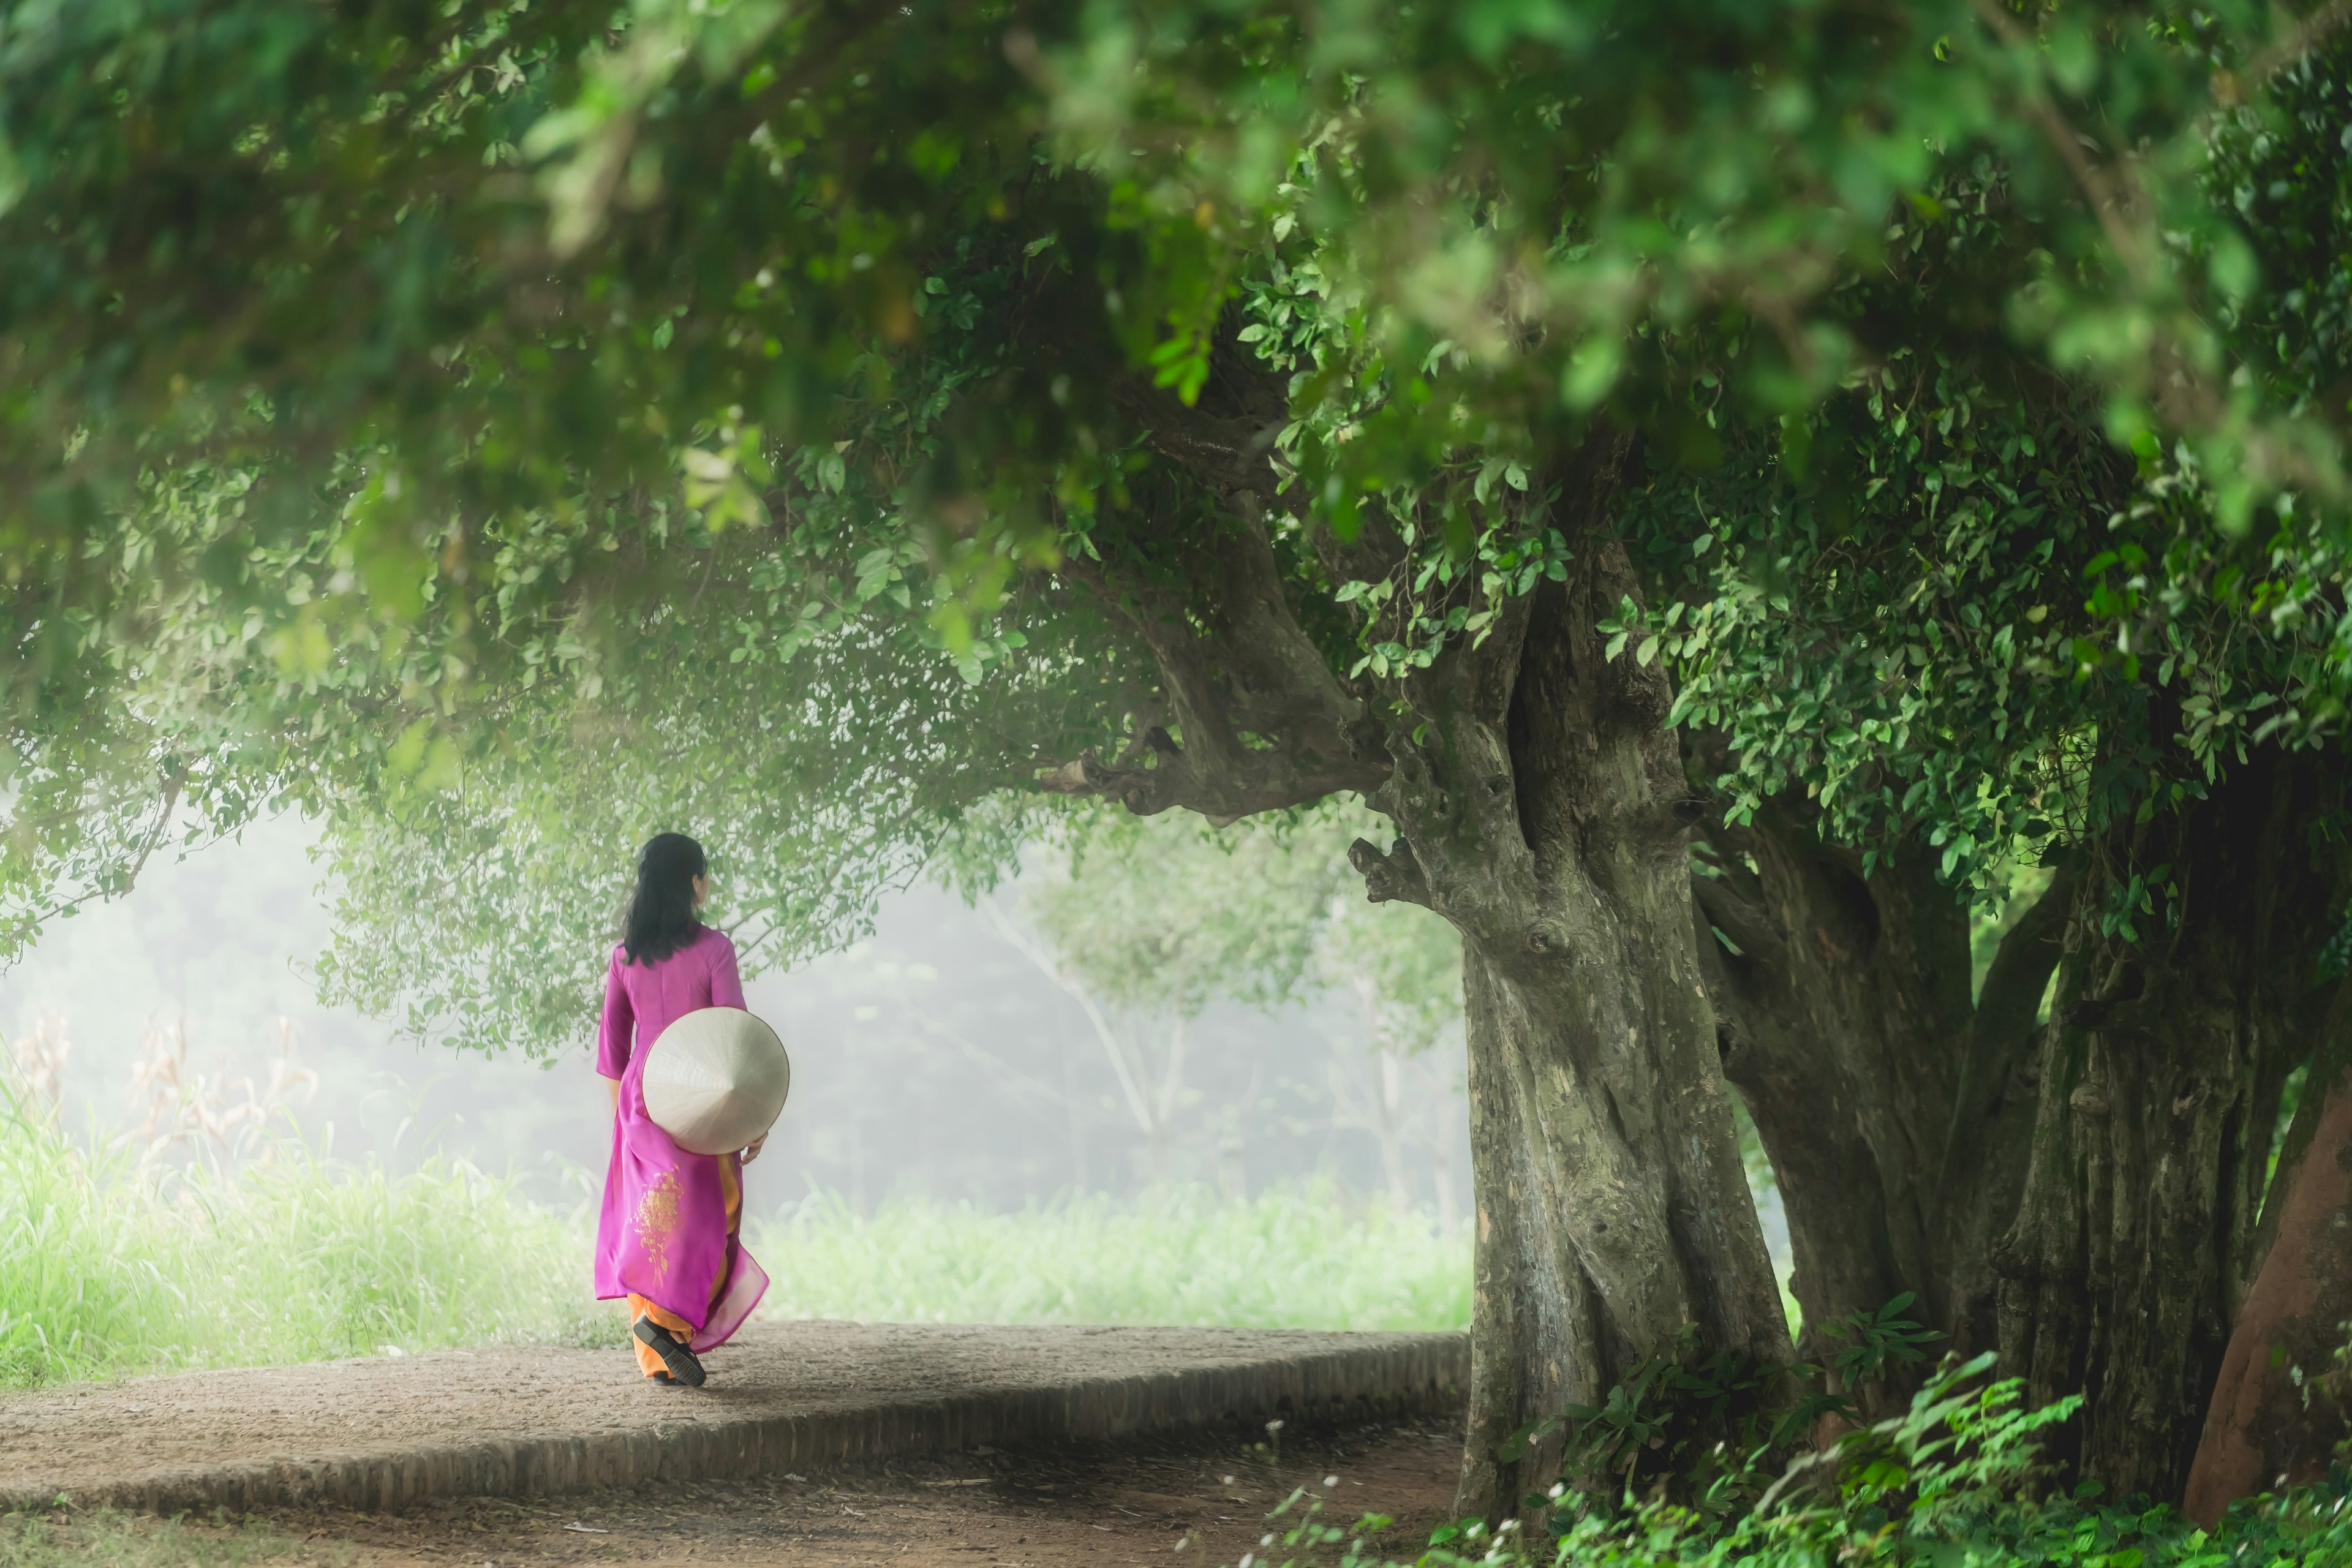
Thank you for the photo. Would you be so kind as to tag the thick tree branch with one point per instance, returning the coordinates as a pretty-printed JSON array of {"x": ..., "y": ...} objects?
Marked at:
[
  {"x": 1255, "y": 718},
  {"x": 2021, "y": 968},
  {"x": 1260, "y": 721}
]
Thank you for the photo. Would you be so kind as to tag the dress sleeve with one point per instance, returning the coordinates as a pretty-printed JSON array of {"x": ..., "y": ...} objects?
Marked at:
[
  {"x": 726, "y": 985},
  {"x": 615, "y": 1036}
]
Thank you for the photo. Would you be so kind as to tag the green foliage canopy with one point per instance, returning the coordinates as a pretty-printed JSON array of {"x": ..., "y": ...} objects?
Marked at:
[
  {"x": 416, "y": 405},
  {"x": 1941, "y": 602}
]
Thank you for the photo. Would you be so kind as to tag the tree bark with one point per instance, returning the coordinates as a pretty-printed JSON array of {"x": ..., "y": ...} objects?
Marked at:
[
  {"x": 2281, "y": 1404},
  {"x": 1542, "y": 811},
  {"x": 2160, "y": 1081},
  {"x": 1840, "y": 1014},
  {"x": 1989, "y": 1145},
  {"x": 2090, "y": 1205},
  {"x": 1545, "y": 816},
  {"x": 1882, "y": 1093}
]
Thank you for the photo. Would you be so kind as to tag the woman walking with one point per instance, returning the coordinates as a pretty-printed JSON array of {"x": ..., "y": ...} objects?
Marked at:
[{"x": 669, "y": 1237}]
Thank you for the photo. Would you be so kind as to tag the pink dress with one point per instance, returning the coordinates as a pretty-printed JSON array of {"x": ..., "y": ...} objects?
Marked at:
[{"x": 666, "y": 1231}]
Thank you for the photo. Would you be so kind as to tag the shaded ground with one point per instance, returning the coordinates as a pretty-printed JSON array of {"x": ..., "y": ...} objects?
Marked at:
[{"x": 1199, "y": 1500}]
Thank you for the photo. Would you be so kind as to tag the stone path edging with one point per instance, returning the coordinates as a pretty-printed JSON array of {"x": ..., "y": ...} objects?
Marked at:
[{"x": 1315, "y": 1376}]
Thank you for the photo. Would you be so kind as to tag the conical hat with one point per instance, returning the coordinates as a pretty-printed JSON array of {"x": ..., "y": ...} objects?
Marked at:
[{"x": 716, "y": 1079}]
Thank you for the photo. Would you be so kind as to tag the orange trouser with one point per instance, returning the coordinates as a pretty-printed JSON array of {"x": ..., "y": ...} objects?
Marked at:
[{"x": 648, "y": 1361}]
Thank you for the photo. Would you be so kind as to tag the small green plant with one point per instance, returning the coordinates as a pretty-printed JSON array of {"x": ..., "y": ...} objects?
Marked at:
[
  {"x": 1695, "y": 1425},
  {"x": 1954, "y": 1481},
  {"x": 1269, "y": 1452},
  {"x": 1672, "y": 1423},
  {"x": 1876, "y": 1340}
]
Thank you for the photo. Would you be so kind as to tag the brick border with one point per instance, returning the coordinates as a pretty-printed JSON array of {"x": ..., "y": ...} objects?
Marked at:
[{"x": 1410, "y": 1373}]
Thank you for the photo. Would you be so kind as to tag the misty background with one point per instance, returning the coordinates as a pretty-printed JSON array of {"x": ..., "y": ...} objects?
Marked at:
[{"x": 938, "y": 1058}]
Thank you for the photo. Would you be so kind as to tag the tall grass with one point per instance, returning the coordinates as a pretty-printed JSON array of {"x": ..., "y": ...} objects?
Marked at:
[
  {"x": 105, "y": 1267},
  {"x": 1297, "y": 1257}
]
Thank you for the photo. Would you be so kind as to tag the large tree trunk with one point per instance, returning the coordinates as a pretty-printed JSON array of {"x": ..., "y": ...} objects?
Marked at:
[
  {"x": 2160, "y": 1081},
  {"x": 2090, "y": 1205},
  {"x": 1886, "y": 1098},
  {"x": 1543, "y": 812},
  {"x": 1545, "y": 818}
]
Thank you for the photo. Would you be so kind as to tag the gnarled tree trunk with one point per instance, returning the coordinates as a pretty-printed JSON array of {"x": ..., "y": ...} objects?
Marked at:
[
  {"x": 1886, "y": 1096},
  {"x": 2090, "y": 1210},
  {"x": 2089, "y": 1207},
  {"x": 1542, "y": 810},
  {"x": 2159, "y": 1084},
  {"x": 1545, "y": 818},
  {"x": 2117, "y": 1154}
]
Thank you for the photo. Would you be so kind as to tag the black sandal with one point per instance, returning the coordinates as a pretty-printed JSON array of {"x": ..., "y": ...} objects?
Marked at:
[{"x": 674, "y": 1355}]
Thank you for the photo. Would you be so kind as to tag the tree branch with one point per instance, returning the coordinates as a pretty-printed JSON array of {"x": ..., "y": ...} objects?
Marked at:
[
  {"x": 1724, "y": 906},
  {"x": 1392, "y": 877},
  {"x": 2298, "y": 40},
  {"x": 1261, "y": 721},
  {"x": 2022, "y": 966}
]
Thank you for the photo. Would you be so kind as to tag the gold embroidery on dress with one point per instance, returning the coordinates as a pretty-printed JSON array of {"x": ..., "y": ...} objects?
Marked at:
[{"x": 657, "y": 1220}]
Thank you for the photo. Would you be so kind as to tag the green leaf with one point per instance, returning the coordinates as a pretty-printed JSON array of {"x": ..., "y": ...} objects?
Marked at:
[
  {"x": 1591, "y": 374},
  {"x": 407, "y": 753}
]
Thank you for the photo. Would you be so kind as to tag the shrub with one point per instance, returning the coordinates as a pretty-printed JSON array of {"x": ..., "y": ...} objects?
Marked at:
[{"x": 1954, "y": 1481}]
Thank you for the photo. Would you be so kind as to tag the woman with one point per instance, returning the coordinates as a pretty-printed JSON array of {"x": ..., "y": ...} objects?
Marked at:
[{"x": 670, "y": 1235}]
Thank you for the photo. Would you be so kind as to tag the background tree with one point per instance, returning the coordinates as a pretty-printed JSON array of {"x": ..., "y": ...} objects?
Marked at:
[
  {"x": 1403, "y": 970},
  {"x": 1162, "y": 916}
]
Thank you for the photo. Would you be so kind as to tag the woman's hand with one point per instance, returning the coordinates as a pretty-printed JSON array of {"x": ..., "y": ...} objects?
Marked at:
[{"x": 752, "y": 1151}]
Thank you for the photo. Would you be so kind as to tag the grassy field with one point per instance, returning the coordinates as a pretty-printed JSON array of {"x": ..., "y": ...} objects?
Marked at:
[
  {"x": 102, "y": 1537},
  {"x": 1295, "y": 1258},
  {"x": 107, "y": 1269}
]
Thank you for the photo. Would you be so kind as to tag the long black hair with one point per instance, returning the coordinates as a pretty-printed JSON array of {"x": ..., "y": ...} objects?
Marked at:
[{"x": 660, "y": 918}]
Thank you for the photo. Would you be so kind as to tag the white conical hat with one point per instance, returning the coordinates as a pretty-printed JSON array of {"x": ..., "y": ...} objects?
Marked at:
[{"x": 716, "y": 1079}]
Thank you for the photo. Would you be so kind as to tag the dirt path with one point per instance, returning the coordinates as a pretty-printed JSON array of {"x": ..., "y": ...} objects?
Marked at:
[
  {"x": 785, "y": 1397},
  {"x": 1199, "y": 1500}
]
